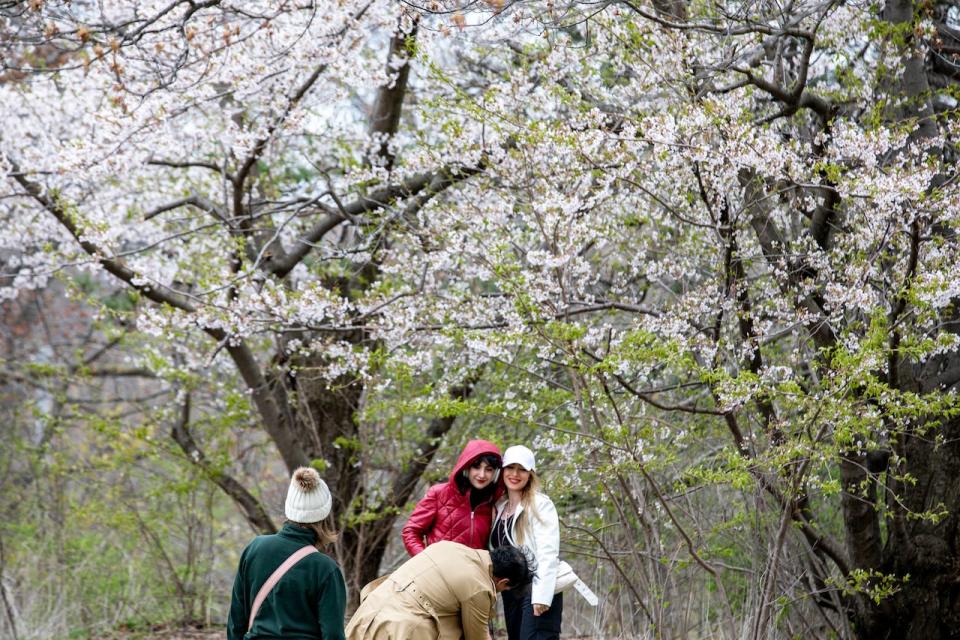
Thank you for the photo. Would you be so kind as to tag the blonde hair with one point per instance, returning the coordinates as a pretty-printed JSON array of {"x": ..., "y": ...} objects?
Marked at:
[
  {"x": 528, "y": 500},
  {"x": 326, "y": 533}
]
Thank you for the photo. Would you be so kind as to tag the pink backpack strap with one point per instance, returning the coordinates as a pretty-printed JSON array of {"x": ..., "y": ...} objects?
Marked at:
[{"x": 274, "y": 578}]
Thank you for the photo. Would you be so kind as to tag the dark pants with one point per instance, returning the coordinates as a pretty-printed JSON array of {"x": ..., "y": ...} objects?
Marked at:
[{"x": 523, "y": 625}]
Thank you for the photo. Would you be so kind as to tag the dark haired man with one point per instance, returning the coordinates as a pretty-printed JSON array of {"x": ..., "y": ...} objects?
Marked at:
[{"x": 446, "y": 592}]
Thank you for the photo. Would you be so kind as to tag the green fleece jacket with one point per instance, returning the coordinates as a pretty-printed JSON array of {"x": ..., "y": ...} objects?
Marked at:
[{"x": 307, "y": 604}]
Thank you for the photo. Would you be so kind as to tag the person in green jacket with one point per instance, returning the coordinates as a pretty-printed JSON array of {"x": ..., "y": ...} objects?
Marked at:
[{"x": 309, "y": 600}]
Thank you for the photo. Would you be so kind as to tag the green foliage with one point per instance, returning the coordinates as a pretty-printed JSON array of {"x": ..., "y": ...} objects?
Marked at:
[{"x": 878, "y": 586}]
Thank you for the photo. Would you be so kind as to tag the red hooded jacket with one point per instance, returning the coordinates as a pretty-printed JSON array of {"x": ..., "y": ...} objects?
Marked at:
[{"x": 445, "y": 513}]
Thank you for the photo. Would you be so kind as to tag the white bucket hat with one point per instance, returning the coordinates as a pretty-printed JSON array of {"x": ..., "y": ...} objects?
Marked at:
[
  {"x": 519, "y": 454},
  {"x": 308, "y": 498}
]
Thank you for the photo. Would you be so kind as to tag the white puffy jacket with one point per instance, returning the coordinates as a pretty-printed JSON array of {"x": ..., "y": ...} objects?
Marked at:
[{"x": 543, "y": 540}]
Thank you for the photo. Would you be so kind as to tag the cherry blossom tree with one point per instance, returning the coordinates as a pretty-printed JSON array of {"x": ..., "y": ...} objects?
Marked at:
[
  {"x": 735, "y": 219},
  {"x": 745, "y": 214},
  {"x": 232, "y": 165}
]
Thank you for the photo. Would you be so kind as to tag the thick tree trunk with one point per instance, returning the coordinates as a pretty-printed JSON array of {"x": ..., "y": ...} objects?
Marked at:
[
  {"x": 929, "y": 552},
  {"x": 324, "y": 415},
  {"x": 927, "y": 606}
]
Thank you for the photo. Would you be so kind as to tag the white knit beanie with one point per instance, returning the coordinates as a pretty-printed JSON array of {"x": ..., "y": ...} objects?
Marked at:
[{"x": 308, "y": 498}]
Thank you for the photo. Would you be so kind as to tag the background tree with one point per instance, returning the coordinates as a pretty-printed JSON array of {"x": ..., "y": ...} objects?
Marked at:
[{"x": 256, "y": 215}]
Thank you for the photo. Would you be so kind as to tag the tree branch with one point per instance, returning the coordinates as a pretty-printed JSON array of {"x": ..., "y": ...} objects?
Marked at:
[
  {"x": 271, "y": 416},
  {"x": 7, "y": 604},
  {"x": 772, "y": 244},
  {"x": 260, "y": 146},
  {"x": 193, "y": 200},
  {"x": 432, "y": 182},
  {"x": 160, "y": 294},
  {"x": 795, "y": 98},
  {"x": 406, "y": 481},
  {"x": 190, "y": 164},
  {"x": 252, "y": 508},
  {"x": 706, "y": 27},
  {"x": 385, "y": 116}
]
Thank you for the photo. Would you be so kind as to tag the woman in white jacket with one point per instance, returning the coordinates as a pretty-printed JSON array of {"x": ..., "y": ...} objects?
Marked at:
[{"x": 525, "y": 517}]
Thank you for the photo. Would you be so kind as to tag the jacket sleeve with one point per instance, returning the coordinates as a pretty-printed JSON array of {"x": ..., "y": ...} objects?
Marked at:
[
  {"x": 421, "y": 521},
  {"x": 475, "y": 615},
  {"x": 546, "y": 534},
  {"x": 333, "y": 605},
  {"x": 239, "y": 615}
]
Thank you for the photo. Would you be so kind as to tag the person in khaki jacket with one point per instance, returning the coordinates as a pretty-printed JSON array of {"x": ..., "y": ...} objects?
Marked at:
[{"x": 446, "y": 592}]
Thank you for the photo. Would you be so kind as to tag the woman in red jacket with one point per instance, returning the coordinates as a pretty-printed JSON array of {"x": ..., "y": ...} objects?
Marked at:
[{"x": 461, "y": 509}]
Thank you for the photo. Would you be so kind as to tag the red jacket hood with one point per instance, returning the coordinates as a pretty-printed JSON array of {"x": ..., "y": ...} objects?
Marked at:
[{"x": 473, "y": 450}]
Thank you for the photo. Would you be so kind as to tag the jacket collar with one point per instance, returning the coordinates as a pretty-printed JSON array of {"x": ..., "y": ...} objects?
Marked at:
[
  {"x": 502, "y": 504},
  {"x": 291, "y": 531},
  {"x": 511, "y": 535}
]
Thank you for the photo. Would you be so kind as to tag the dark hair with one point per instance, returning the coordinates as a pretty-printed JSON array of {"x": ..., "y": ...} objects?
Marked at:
[
  {"x": 516, "y": 564},
  {"x": 463, "y": 483}
]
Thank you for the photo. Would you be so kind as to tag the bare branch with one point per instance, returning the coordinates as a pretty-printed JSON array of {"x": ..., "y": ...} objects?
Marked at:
[
  {"x": 191, "y": 164},
  {"x": 252, "y": 508},
  {"x": 193, "y": 200},
  {"x": 428, "y": 183},
  {"x": 157, "y": 293}
]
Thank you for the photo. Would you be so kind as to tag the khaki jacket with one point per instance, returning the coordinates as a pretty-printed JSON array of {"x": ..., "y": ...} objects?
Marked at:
[{"x": 446, "y": 592}]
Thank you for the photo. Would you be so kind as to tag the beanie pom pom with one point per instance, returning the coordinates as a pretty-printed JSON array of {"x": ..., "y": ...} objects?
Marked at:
[{"x": 307, "y": 478}]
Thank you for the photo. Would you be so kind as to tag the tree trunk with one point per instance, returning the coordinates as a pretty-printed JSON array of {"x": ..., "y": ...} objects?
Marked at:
[
  {"x": 324, "y": 415},
  {"x": 927, "y": 605}
]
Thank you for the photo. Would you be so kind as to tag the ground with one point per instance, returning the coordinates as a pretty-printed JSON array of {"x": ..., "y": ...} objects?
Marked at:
[
  {"x": 216, "y": 633},
  {"x": 167, "y": 633}
]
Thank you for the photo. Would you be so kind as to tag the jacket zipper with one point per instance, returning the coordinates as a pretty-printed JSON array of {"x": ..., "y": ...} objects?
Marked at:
[{"x": 472, "y": 541}]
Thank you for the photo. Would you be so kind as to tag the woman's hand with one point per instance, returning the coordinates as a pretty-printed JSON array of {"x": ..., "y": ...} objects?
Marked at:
[{"x": 539, "y": 609}]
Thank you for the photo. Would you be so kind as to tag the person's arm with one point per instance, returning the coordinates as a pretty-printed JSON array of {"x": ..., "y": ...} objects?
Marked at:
[
  {"x": 333, "y": 605},
  {"x": 546, "y": 532},
  {"x": 239, "y": 616},
  {"x": 475, "y": 616},
  {"x": 421, "y": 521}
]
